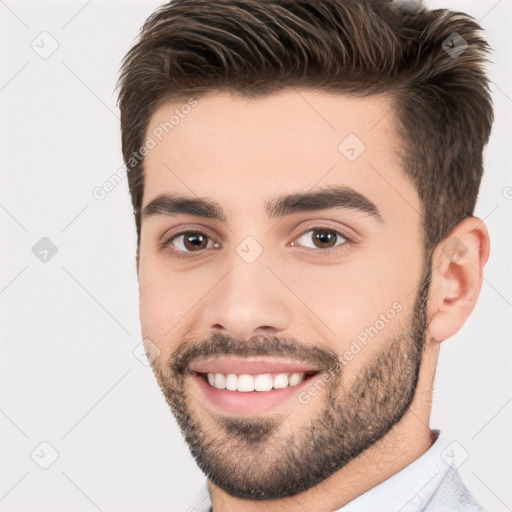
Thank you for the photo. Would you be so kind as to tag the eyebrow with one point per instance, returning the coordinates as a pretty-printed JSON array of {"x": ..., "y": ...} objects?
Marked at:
[{"x": 334, "y": 196}]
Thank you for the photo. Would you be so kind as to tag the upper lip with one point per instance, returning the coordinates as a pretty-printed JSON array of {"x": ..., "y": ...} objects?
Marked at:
[{"x": 253, "y": 365}]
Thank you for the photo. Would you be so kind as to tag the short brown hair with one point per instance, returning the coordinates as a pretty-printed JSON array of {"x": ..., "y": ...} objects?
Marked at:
[{"x": 360, "y": 47}]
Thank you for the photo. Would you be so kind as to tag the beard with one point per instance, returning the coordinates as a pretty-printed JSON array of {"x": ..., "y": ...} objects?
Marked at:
[{"x": 249, "y": 457}]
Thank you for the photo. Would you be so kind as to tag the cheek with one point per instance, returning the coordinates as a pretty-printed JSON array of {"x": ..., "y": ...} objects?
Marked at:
[
  {"x": 163, "y": 304},
  {"x": 172, "y": 301},
  {"x": 349, "y": 299},
  {"x": 362, "y": 301}
]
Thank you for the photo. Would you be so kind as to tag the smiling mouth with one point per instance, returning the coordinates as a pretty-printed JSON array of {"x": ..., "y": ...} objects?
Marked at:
[{"x": 259, "y": 382}]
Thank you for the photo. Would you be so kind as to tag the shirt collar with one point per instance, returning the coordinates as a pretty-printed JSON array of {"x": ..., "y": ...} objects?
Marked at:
[{"x": 409, "y": 490}]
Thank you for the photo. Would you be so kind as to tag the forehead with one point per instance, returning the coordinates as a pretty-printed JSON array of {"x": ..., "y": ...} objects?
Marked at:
[{"x": 242, "y": 151}]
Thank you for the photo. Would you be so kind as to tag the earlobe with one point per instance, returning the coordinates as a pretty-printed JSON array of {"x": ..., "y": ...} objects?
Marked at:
[{"x": 457, "y": 274}]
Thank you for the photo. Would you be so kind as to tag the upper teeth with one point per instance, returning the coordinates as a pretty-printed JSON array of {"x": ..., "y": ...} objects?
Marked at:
[{"x": 261, "y": 382}]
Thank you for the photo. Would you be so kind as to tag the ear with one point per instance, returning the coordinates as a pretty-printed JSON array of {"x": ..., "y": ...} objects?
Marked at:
[{"x": 457, "y": 273}]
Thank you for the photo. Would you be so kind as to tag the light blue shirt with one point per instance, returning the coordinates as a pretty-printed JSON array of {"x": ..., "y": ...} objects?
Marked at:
[{"x": 429, "y": 484}]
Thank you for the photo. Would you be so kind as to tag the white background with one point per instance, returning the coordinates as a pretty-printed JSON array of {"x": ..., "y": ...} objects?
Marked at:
[{"x": 69, "y": 326}]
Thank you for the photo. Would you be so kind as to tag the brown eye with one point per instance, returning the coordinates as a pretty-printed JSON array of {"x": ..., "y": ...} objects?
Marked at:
[
  {"x": 189, "y": 241},
  {"x": 194, "y": 241},
  {"x": 323, "y": 238}
]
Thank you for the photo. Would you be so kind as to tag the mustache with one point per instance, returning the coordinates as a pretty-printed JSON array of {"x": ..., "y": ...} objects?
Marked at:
[{"x": 220, "y": 345}]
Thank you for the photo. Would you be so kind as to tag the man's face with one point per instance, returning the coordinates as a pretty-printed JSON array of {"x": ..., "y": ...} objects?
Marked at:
[{"x": 332, "y": 292}]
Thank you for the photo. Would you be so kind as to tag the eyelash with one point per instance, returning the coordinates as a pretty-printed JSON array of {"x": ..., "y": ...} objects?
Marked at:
[{"x": 183, "y": 254}]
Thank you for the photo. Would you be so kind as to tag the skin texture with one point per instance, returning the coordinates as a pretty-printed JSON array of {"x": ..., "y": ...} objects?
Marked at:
[{"x": 242, "y": 153}]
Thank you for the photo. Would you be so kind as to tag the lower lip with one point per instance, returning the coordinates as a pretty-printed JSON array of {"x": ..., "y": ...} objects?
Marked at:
[{"x": 234, "y": 402}]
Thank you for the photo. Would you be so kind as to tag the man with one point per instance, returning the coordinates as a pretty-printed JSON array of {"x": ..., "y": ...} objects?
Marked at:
[{"x": 304, "y": 175}]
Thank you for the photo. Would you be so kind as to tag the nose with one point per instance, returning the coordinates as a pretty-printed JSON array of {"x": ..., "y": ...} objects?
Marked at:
[{"x": 249, "y": 300}]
